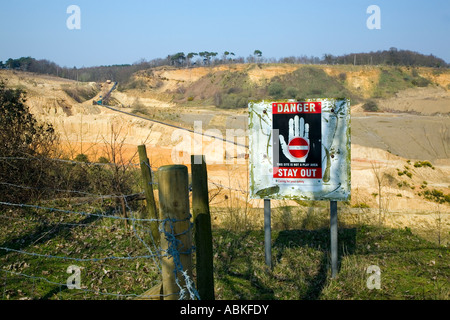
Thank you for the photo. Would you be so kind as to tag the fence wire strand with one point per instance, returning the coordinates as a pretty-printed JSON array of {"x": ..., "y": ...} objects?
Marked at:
[{"x": 46, "y": 222}]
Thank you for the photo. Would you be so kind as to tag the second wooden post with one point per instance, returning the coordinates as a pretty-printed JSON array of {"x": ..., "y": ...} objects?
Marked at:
[
  {"x": 202, "y": 228},
  {"x": 151, "y": 212}
]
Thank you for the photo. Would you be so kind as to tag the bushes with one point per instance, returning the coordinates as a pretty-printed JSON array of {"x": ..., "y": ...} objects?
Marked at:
[
  {"x": 436, "y": 196},
  {"x": 291, "y": 93},
  {"x": 25, "y": 144},
  {"x": 139, "y": 108},
  {"x": 421, "y": 82},
  {"x": 233, "y": 101},
  {"x": 370, "y": 106},
  {"x": 29, "y": 167},
  {"x": 419, "y": 164},
  {"x": 307, "y": 82},
  {"x": 276, "y": 89},
  {"x": 342, "y": 76},
  {"x": 232, "y": 89},
  {"x": 393, "y": 80}
]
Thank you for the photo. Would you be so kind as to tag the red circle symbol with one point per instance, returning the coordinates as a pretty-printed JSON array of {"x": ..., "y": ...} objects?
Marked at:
[{"x": 298, "y": 147}]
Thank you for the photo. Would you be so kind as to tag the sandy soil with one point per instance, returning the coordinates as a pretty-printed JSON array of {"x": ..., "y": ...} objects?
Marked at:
[
  {"x": 425, "y": 101},
  {"x": 418, "y": 130}
]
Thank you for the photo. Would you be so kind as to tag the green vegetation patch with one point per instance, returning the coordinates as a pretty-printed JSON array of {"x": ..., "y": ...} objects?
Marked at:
[
  {"x": 224, "y": 89},
  {"x": 395, "y": 79},
  {"x": 55, "y": 241},
  {"x": 307, "y": 82},
  {"x": 411, "y": 268}
]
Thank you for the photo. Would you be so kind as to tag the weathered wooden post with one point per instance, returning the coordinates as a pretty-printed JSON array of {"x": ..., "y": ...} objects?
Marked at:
[
  {"x": 148, "y": 190},
  {"x": 202, "y": 228},
  {"x": 176, "y": 241}
]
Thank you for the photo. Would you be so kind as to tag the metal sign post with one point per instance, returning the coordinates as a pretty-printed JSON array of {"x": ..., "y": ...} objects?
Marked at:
[
  {"x": 300, "y": 150},
  {"x": 334, "y": 238},
  {"x": 267, "y": 234}
]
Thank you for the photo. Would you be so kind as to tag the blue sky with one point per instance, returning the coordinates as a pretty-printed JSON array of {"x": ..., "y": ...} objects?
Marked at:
[{"x": 116, "y": 32}]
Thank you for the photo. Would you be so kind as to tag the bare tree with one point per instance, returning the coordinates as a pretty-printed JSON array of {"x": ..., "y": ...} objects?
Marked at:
[
  {"x": 122, "y": 182},
  {"x": 378, "y": 171}
]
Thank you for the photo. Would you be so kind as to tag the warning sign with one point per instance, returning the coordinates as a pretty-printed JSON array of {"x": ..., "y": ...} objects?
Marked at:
[
  {"x": 297, "y": 150},
  {"x": 300, "y": 149}
]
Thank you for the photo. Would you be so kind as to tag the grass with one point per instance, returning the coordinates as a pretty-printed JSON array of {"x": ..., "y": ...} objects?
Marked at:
[
  {"x": 309, "y": 82},
  {"x": 233, "y": 89},
  {"x": 411, "y": 267},
  {"x": 395, "y": 79},
  {"x": 63, "y": 235}
]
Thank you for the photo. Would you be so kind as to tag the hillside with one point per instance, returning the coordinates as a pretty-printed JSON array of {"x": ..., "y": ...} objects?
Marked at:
[
  {"x": 412, "y": 123},
  {"x": 413, "y": 99}
]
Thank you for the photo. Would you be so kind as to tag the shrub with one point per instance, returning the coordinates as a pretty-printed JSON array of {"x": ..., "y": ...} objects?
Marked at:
[
  {"x": 421, "y": 82},
  {"x": 370, "y": 106},
  {"x": 310, "y": 82},
  {"x": 276, "y": 89},
  {"x": 234, "y": 101},
  {"x": 139, "y": 84},
  {"x": 24, "y": 138},
  {"x": 361, "y": 205},
  {"x": 419, "y": 164},
  {"x": 291, "y": 92},
  {"x": 436, "y": 195},
  {"x": 139, "y": 107},
  {"x": 103, "y": 160},
  {"x": 82, "y": 158}
]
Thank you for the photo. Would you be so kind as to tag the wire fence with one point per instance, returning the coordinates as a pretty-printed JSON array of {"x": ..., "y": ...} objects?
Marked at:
[{"x": 74, "y": 244}]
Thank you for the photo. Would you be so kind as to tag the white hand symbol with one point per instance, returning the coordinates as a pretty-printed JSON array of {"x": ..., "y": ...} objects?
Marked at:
[{"x": 297, "y": 129}]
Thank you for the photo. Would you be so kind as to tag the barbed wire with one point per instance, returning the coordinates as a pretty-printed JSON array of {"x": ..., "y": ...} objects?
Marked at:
[
  {"x": 172, "y": 251},
  {"x": 99, "y": 196},
  {"x": 84, "y": 225},
  {"x": 72, "y": 258},
  {"x": 111, "y": 164},
  {"x": 104, "y": 215},
  {"x": 85, "y": 290},
  {"x": 140, "y": 229},
  {"x": 226, "y": 187},
  {"x": 156, "y": 253}
]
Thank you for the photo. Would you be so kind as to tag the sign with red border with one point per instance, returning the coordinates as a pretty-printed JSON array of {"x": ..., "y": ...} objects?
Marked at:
[
  {"x": 297, "y": 152},
  {"x": 300, "y": 149}
]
